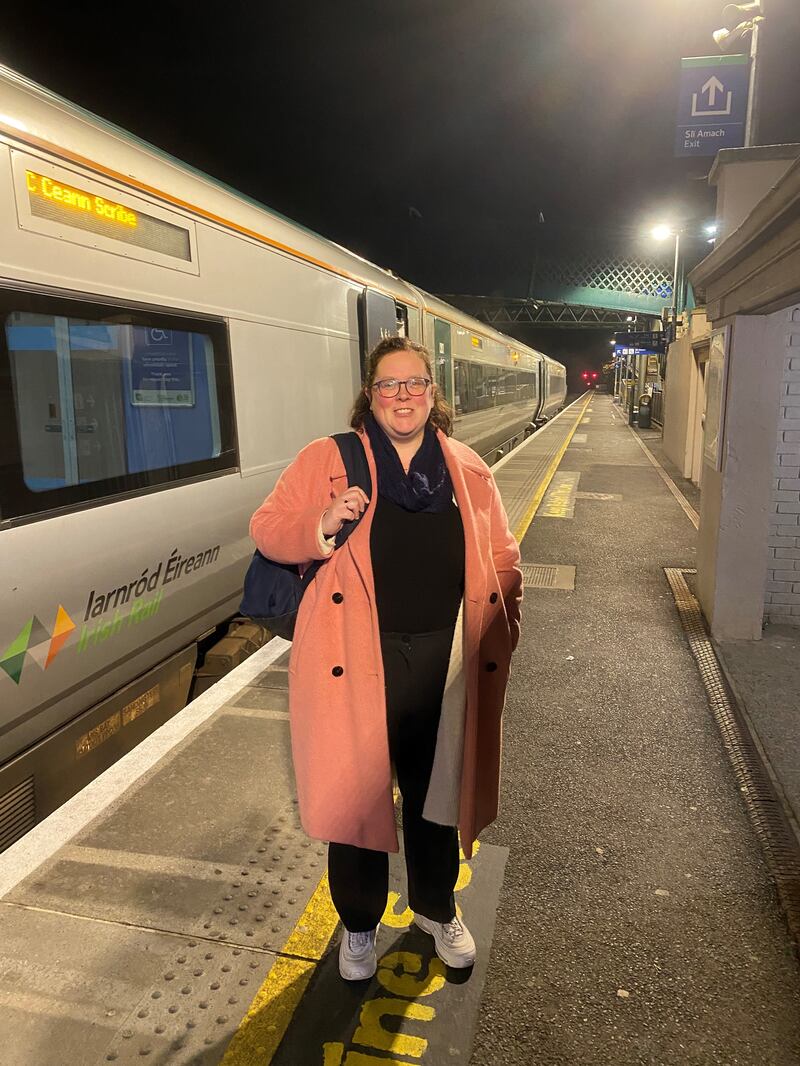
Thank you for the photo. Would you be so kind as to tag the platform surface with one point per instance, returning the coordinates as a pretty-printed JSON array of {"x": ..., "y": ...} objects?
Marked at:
[{"x": 622, "y": 910}]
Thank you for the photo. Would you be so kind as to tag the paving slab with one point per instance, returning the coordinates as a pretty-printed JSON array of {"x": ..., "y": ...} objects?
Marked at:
[{"x": 74, "y": 993}]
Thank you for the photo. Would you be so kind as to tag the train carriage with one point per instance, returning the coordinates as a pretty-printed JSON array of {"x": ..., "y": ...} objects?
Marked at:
[{"x": 166, "y": 347}]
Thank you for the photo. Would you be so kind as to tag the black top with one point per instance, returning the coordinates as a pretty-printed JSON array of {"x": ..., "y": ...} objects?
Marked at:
[{"x": 418, "y": 565}]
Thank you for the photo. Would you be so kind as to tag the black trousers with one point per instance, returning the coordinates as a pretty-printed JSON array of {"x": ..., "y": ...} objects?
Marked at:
[{"x": 415, "y": 666}]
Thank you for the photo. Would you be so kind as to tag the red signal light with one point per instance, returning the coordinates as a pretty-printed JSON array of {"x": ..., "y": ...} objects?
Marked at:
[
  {"x": 594, "y": 375},
  {"x": 586, "y": 375}
]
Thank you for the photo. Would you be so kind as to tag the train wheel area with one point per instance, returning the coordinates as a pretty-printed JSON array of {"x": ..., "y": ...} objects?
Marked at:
[{"x": 174, "y": 911}]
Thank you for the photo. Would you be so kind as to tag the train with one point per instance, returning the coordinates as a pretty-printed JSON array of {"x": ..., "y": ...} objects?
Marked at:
[{"x": 167, "y": 347}]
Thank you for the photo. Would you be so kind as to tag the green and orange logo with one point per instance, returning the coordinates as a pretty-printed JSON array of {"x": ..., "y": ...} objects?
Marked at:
[{"x": 40, "y": 643}]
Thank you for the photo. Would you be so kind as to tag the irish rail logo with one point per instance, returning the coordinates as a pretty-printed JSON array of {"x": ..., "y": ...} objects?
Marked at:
[
  {"x": 40, "y": 643},
  {"x": 108, "y": 613}
]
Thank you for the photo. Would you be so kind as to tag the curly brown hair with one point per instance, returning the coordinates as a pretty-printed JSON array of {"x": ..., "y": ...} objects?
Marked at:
[{"x": 441, "y": 414}]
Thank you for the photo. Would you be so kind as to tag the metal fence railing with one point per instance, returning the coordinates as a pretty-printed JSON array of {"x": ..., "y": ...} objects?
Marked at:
[
  {"x": 657, "y": 408},
  {"x": 656, "y": 405}
]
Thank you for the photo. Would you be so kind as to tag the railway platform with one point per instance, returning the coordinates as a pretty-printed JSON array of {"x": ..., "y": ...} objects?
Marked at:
[{"x": 626, "y": 904}]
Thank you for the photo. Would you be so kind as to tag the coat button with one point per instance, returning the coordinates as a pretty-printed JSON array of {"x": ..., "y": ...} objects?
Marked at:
[
  {"x": 493, "y": 598},
  {"x": 337, "y": 597},
  {"x": 491, "y": 667},
  {"x": 337, "y": 671}
]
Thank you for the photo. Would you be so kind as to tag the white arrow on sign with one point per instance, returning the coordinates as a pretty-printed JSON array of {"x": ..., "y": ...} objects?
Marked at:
[{"x": 712, "y": 87}]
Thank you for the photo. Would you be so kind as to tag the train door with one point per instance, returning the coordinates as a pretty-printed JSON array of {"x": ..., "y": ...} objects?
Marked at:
[
  {"x": 443, "y": 357},
  {"x": 379, "y": 316},
  {"x": 543, "y": 388}
]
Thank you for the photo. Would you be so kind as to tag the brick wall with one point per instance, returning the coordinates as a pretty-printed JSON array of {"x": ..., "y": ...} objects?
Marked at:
[{"x": 782, "y": 594}]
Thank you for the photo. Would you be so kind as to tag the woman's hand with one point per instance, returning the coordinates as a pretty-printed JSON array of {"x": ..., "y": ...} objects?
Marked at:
[{"x": 351, "y": 504}]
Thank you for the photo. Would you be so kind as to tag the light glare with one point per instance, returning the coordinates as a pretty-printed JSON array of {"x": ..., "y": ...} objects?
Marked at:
[
  {"x": 9, "y": 120},
  {"x": 661, "y": 232}
]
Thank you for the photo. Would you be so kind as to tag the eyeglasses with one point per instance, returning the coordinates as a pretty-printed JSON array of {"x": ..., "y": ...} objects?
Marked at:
[{"x": 389, "y": 387}]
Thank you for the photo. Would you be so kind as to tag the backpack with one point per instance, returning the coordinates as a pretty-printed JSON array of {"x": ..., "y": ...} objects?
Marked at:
[{"x": 272, "y": 591}]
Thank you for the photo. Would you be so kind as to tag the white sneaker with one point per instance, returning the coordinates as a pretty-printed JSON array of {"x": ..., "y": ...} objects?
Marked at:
[
  {"x": 454, "y": 943},
  {"x": 358, "y": 959}
]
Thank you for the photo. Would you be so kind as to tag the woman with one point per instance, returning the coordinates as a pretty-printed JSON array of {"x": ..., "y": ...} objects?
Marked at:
[{"x": 401, "y": 651}]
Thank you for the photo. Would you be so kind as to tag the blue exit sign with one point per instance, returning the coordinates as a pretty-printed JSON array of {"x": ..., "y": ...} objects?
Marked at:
[{"x": 712, "y": 104}]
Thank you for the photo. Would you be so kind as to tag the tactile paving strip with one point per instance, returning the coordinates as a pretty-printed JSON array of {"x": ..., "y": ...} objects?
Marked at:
[
  {"x": 778, "y": 842},
  {"x": 191, "y": 1013},
  {"x": 520, "y": 477},
  {"x": 194, "y": 1010},
  {"x": 260, "y": 907}
]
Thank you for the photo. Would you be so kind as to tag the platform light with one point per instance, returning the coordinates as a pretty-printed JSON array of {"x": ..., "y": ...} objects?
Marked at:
[
  {"x": 733, "y": 14},
  {"x": 739, "y": 21},
  {"x": 9, "y": 120},
  {"x": 661, "y": 232},
  {"x": 711, "y": 229},
  {"x": 726, "y": 40}
]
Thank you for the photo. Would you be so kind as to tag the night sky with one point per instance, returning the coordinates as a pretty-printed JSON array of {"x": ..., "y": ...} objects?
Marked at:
[{"x": 476, "y": 115}]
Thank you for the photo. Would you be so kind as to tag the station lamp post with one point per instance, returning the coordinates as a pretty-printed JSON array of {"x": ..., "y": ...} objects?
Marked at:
[
  {"x": 617, "y": 369},
  {"x": 660, "y": 233},
  {"x": 663, "y": 232}
]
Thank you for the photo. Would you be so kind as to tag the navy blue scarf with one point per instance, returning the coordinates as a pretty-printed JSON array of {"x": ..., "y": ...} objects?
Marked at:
[{"x": 426, "y": 486}]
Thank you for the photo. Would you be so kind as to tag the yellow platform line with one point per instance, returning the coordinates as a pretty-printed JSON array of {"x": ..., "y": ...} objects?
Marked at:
[
  {"x": 264, "y": 1025},
  {"x": 538, "y": 496}
]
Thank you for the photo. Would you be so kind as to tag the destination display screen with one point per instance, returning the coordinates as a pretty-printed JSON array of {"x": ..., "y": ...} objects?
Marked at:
[{"x": 85, "y": 210}]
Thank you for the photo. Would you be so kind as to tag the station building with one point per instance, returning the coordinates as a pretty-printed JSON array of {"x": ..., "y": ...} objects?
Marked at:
[{"x": 732, "y": 396}]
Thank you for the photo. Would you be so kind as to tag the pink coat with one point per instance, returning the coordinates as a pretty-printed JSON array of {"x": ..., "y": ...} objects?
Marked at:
[{"x": 336, "y": 684}]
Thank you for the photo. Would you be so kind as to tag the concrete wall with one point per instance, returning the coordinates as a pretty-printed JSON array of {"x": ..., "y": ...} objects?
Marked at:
[
  {"x": 677, "y": 386},
  {"x": 743, "y": 176},
  {"x": 681, "y": 410},
  {"x": 782, "y": 590},
  {"x": 736, "y": 502},
  {"x": 750, "y": 509},
  {"x": 741, "y": 187}
]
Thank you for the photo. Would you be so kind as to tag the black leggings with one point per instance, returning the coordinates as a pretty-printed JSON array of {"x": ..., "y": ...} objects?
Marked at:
[{"x": 415, "y": 666}]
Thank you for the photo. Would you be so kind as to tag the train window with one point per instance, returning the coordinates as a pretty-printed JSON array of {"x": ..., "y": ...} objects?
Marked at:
[
  {"x": 481, "y": 389},
  {"x": 506, "y": 386},
  {"x": 526, "y": 386},
  {"x": 479, "y": 386},
  {"x": 105, "y": 401}
]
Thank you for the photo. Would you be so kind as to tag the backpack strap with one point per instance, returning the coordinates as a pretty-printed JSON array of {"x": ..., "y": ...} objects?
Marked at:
[{"x": 357, "y": 470}]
